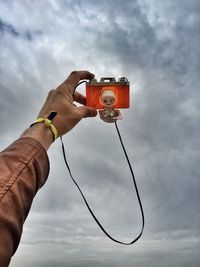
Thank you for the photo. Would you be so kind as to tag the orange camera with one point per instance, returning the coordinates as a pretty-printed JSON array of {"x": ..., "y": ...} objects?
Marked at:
[{"x": 108, "y": 93}]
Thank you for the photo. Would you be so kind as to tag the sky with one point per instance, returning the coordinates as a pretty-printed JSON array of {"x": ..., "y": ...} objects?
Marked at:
[{"x": 155, "y": 44}]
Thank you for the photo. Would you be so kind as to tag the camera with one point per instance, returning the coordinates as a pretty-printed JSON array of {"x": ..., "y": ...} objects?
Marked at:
[
  {"x": 107, "y": 96},
  {"x": 108, "y": 93}
]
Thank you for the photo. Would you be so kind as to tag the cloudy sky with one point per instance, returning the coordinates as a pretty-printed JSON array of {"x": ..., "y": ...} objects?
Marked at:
[{"x": 155, "y": 44}]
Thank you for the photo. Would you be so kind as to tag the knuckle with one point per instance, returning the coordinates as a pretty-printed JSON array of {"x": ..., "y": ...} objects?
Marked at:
[
  {"x": 75, "y": 72},
  {"x": 52, "y": 91}
]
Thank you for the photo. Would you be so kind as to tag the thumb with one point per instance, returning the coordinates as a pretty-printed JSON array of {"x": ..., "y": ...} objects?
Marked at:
[{"x": 85, "y": 112}]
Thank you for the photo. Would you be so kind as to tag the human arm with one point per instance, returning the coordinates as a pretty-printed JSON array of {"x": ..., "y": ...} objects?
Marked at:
[{"x": 24, "y": 165}]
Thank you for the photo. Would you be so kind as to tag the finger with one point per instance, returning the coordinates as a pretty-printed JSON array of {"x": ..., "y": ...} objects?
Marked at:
[
  {"x": 83, "y": 74},
  {"x": 78, "y": 97},
  {"x": 85, "y": 112},
  {"x": 73, "y": 79}
]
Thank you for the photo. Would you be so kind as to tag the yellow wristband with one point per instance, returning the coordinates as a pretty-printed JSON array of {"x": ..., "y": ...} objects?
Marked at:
[{"x": 48, "y": 123}]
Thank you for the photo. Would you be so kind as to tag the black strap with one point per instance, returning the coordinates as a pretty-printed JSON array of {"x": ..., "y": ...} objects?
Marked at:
[{"x": 135, "y": 185}]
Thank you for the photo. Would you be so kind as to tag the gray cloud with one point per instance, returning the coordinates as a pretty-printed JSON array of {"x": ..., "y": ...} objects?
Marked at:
[
  {"x": 156, "y": 45},
  {"x": 4, "y": 27}
]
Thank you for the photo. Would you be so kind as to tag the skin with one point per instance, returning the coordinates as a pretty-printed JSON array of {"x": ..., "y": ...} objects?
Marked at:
[{"x": 68, "y": 115}]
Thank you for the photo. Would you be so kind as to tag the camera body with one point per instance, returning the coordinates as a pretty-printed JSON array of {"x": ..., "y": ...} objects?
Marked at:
[{"x": 108, "y": 93}]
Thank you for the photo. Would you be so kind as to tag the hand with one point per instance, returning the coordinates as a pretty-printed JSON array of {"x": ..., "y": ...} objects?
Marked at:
[
  {"x": 68, "y": 115},
  {"x": 61, "y": 100}
]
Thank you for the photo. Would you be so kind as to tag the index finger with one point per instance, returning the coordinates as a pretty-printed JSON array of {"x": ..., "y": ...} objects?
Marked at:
[{"x": 73, "y": 79}]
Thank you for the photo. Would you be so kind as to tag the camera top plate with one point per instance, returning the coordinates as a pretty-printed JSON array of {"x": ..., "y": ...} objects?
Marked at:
[{"x": 109, "y": 81}]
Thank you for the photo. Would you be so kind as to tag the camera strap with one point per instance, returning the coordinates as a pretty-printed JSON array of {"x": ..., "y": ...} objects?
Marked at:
[{"x": 135, "y": 186}]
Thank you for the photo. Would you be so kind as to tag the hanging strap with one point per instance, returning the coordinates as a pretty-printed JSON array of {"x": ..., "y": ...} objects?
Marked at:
[{"x": 135, "y": 186}]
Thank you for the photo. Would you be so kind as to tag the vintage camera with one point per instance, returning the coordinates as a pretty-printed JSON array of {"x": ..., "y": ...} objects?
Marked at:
[{"x": 108, "y": 95}]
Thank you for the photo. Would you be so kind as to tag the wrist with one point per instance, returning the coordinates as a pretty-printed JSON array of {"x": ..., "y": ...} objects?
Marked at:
[{"x": 41, "y": 133}]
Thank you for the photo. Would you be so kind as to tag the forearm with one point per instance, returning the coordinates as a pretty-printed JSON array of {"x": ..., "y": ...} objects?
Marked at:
[
  {"x": 41, "y": 133},
  {"x": 24, "y": 169}
]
